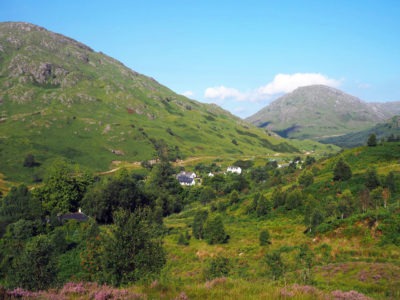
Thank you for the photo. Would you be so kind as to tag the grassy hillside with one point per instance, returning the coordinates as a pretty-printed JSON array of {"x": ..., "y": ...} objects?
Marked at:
[
  {"x": 349, "y": 254},
  {"x": 59, "y": 98},
  {"x": 389, "y": 130},
  {"x": 328, "y": 239}
]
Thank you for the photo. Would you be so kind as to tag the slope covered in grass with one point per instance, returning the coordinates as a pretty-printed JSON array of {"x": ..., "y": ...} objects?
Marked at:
[{"x": 59, "y": 98}]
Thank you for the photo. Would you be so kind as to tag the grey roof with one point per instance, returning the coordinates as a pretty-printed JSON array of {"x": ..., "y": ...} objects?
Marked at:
[{"x": 78, "y": 216}]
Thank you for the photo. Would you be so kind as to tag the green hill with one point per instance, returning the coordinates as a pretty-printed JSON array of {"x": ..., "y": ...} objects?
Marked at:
[
  {"x": 318, "y": 112},
  {"x": 389, "y": 130},
  {"x": 59, "y": 98}
]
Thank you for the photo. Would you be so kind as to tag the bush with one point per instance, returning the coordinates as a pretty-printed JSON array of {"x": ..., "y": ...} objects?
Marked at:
[
  {"x": 217, "y": 267},
  {"x": 264, "y": 238},
  {"x": 214, "y": 231}
]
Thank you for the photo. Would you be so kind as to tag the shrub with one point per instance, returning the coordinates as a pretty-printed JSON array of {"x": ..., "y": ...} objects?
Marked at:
[
  {"x": 217, "y": 267},
  {"x": 214, "y": 231},
  {"x": 264, "y": 238}
]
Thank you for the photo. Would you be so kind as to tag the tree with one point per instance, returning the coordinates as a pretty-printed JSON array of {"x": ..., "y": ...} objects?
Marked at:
[
  {"x": 342, "y": 171},
  {"x": 317, "y": 217},
  {"x": 345, "y": 204},
  {"x": 234, "y": 197},
  {"x": 278, "y": 197},
  {"x": 264, "y": 238},
  {"x": 377, "y": 197},
  {"x": 214, "y": 231},
  {"x": 371, "y": 142},
  {"x": 294, "y": 199},
  {"x": 133, "y": 248},
  {"x": 275, "y": 264},
  {"x": 206, "y": 194},
  {"x": 217, "y": 267},
  {"x": 122, "y": 191},
  {"x": 306, "y": 178},
  {"x": 35, "y": 268},
  {"x": 263, "y": 206},
  {"x": 371, "y": 179},
  {"x": 19, "y": 204},
  {"x": 309, "y": 160},
  {"x": 63, "y": 189},
  {"x": 390, "y": 182},
  {"x": 30, "y": 161},
  {"x": 306, "y": 260},
  {"x": 198, "y": 224}
]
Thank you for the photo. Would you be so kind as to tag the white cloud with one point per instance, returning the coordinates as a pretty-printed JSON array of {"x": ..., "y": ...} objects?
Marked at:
[
  {"x": 222, "y": 93},
  {"x": 286, "y": 83},
  {"x": 282, "y": 83},
  {"x": 188, "y": 94}
]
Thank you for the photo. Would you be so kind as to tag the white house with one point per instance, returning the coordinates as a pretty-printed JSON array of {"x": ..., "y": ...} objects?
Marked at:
[
  {"x": 233, "y": 169},
  {"x": 186, "y": 178}
]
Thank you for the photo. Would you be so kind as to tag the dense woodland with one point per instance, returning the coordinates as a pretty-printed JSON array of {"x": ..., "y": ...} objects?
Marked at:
[{"x": 131, "y": 213}]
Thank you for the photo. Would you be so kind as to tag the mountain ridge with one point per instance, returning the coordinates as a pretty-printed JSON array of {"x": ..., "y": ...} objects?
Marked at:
[{"x": 318, "y": 111}]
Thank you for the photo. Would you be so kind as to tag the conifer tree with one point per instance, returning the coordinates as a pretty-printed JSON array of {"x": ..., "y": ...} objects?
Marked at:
[{"x": 342, "y": 171}]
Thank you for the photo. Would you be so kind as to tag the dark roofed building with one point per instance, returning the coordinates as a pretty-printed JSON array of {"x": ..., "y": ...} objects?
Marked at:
[{"x": 77, "y": 216}]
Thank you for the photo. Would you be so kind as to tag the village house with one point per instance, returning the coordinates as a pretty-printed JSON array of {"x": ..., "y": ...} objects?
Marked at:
[
  {"x": 186, "y": 178},
  {"x": 233, "y": 169}
]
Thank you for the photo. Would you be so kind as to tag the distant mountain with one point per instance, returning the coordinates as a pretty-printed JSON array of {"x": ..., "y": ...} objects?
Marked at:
[
  {"x": 389, "y": 130},
  {"x": 59, "y": 98},
  {"x": 390, "y": 108},
  {"x": 317, "y": 112}
]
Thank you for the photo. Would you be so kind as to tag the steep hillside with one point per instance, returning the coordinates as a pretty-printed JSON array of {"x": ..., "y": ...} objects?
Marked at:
[
  {"x": 59, "y": 98},
  {"x": 318, "y": 111},
  {"x": 389, "y": 130}
]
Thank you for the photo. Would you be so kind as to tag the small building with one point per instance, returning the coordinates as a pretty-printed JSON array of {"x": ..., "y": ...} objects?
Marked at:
[
  {"x": 233, "y": 169},
  {"x": 77, "y": 216},
  {"x": 186, "y": 178}
]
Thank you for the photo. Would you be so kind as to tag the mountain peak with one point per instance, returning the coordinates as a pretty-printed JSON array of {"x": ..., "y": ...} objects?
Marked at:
[{"x": 317, "y": 111}]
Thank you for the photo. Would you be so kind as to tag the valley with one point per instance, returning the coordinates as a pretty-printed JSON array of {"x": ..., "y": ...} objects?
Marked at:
[{"x": 92, "y": 207}]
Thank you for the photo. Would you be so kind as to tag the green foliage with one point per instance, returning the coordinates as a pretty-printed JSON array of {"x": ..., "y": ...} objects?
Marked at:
[
  {"x": 30, "y": 161},
  {"x": 183, "y": 240},
  {"x": 371, "y": 179},
  {"x": 35, "y": 268},
  {"x": 309, "y": 160},
  {"x": 63, "y": 188},
  {"x": 259, "y": 174},
  {"x": 264, "y": 238},
  {"x": 198, "y": 224},
  {"x": 214, "y": 231},
  {"x": 306, "y": 261},
  {"x": 372, "y": 140},
  {"x": 390, "y": 182},
  {"x": 306, "y": 178},
  {"x": 263, "y": 207},
  {"x": 217, "y": 267},
  {"x": 391, "y": 230},
  {"x": 133, "y": 249},
  {"x": 234, "y": 197},
  {"x": 105, "y": 197},
  {"x": 342, "y": 171},
  {"x": 276, "y": 266},
  {"x": 19, "y": 204},
  {"x": 294, "y": 199},
  {"x": 278, "y": 197}
]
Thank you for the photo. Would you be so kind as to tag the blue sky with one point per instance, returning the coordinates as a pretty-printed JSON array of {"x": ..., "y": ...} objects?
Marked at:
[{"x": 238, "y": 54}]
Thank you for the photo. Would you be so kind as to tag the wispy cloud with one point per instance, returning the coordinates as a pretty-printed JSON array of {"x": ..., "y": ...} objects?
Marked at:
[
  {"x": 221, "y": 93},
  {"x": 282, "y": 83}
]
